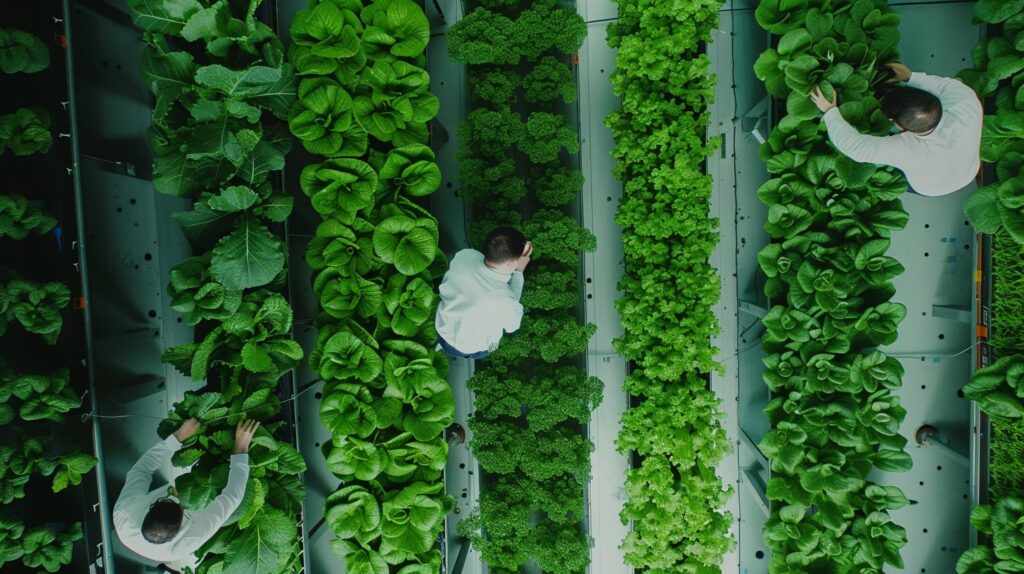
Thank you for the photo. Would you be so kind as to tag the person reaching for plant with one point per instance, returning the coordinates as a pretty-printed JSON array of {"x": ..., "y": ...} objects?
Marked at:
[
  {"x": 154, "y": 525},
  {"x": 480, "y": 295},
  {"x": 939, "y": 139}
]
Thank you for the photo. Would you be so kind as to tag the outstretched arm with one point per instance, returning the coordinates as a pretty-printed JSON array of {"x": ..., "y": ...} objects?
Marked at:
[
  {"x": 951, "y": 92},
  {"x": 204, "y": 524},
  {"x": 858, "y": 146},
  {"x": 846, "y": 138}
]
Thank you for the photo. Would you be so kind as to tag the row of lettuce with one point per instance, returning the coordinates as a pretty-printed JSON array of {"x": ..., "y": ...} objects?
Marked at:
[
  {"x": 996, "y": 208},
  {"x": 362, "y": 112},
  {"x": 669, "y": 287},
  {"x": 533, "y": 399},
  {"x": 33, "y": 402},
  {"x": 834, "y": 414}
]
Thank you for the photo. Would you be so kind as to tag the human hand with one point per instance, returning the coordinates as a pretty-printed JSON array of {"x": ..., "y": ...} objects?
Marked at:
[
  {"x": 823, "y": 103},
  {"x": 243, "y": 435},
  {"x": 900, "y": 73},
  {"x": 524, "y": 259},
  {"x": 187, "y": 430}
]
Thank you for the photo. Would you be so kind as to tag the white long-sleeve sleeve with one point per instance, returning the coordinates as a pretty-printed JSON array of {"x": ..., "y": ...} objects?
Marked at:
[
  {"x": 951, "y": 92},
  {"x": 133, "y": 502},
  {"x": 516, "y": 284},
  {"x": 204, "y": 524},
  {"x": 858, "y": 146}
]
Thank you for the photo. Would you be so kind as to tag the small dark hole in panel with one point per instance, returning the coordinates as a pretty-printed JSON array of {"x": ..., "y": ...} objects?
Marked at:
[
  {"x": 759, "y": 554},
  {"x": 316, "y": 444},
  {"x": 152, "y": 313},
  {"x": 590, "y": 296},
  {"x": 462, "y": 465},
  {"x": 148, "y": 257},
  {"x": 131, "y": 201},
  {"x": 119, "y": 210},
  {"x": 926, "y": 226},
  {"x": 938, "y": 467},
  {"x": 318, "y": 395},
  {"x": 942, "y": 336},
  {"x": 960, "y": 393},
  {"x": 926, "y": 254},
  {"x": 179, "y": 319},
  {"x": 921, "y": 483},
  {"x": 926, "y": 531}
]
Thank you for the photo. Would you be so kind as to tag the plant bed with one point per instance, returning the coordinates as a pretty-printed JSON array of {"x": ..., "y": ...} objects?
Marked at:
[
  {"x": 533, "y": 399},
  {"x": 834, "y": 414},
  {"x": 222, "y": 93}
]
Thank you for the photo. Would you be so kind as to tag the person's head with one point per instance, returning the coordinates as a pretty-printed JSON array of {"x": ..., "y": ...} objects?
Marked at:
[
  {"x": 163, "y": 521},
  {"x": 503, "y": 247},
  {"x": 912, "y": 110}
]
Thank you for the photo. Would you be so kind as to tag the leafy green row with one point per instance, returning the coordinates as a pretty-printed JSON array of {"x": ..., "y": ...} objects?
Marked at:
[
  {"x": 998, "y": 72},
  {"x": 834, "y": 414},
  {"x": 996, "y": 208},
  {"x": 222, "y": 93},
  {"x": 661, "y": 76},
  {"x": 363, "y": 107},
  {"x": 532, "y": 397}
]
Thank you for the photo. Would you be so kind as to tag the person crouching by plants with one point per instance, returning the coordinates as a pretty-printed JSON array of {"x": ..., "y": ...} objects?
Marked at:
[
  {"x": 154, "y": 525},
  {"x": 480, "y": 295},
  {"x": 939, "y": 140}
]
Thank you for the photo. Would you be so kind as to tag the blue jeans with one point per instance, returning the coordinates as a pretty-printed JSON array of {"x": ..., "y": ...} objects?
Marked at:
[{"x": 454, "y": 353}]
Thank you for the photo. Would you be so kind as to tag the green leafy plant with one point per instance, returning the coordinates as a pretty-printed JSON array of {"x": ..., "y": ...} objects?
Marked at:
[
  {"x": 26, "y": 132},
  {"x": 364, "y": 106},
  {"x": 36, "y": 306},
  {"x": 997, "y": 388},
  {"x": 43, "y": 397},
  {"x": 833, "y": 413},
  {"x": 1001, "y": 521},
  {"x": 18, "y": 218},
  {"x": 48, "y": 550},
  {"x": 22, "y": 52}
]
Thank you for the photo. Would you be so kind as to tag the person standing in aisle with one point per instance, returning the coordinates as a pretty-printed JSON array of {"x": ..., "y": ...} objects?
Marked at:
[
  {"x": 480, "y": 295},
  {"x": 154, "y": 525},
  {"x": 939, "y": 140}
]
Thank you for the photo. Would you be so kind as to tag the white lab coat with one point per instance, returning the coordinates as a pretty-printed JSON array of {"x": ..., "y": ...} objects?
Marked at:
[{"x": 478, "y": 304}]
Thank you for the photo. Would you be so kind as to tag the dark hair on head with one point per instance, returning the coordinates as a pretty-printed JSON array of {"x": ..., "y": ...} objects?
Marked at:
[
  {"x": 912, "y": 109},
  {"x": 504, "y": 244},
  {"x": 162, "y": 522}
]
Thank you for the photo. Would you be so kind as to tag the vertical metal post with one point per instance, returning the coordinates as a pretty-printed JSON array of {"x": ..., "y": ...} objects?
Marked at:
[{"x": 106, "y": 529}]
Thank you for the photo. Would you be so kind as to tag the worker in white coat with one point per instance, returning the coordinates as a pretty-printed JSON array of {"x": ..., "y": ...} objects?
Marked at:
[
  {"x": 939, "y": 122},
  {"x": 480, "y": 295},
  {"x": 154, "y": 525}
]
